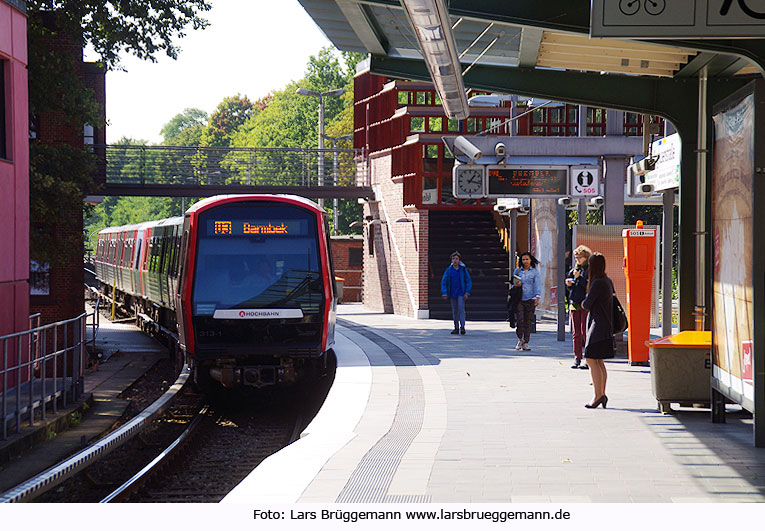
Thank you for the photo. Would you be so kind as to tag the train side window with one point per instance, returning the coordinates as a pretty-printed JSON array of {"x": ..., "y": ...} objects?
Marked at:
[{"x": 168, "y": 250}]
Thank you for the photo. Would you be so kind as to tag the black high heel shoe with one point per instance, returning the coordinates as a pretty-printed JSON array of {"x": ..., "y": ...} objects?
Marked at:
[{"x": 602, "y": 400}]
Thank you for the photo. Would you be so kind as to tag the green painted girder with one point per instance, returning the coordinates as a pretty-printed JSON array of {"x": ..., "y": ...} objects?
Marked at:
[{"x": 674, "y": 99}]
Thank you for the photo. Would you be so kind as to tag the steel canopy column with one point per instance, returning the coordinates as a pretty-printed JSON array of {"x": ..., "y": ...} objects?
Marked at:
[
  {"x": 667, "y": 224},
  {"x": 561, "y": 276},
  {"x": 615, "y": 171}
]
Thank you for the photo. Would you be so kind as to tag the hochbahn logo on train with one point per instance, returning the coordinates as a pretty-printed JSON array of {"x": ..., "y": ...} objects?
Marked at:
[{"x": 287, "y": 313}]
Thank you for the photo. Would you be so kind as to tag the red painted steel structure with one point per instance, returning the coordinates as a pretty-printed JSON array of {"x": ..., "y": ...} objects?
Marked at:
[
  {"x": 14, "y": 173},
  {"x": 406, "y": 118}
]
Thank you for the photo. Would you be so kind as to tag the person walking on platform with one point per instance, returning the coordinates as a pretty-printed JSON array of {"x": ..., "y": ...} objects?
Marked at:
[
  {"x": 599, "y": 344},
  {"x": 456, "y": 285},
  {"x": 529, "y": 280},
  {"x": 576, "y": 291}
]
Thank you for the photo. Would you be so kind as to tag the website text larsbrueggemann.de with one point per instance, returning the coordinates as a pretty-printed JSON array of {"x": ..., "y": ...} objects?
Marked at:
[{"x": 439, "y": 514}]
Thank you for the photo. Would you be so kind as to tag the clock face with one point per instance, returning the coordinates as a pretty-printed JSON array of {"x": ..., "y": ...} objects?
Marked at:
[{"x": 470, "y": 182}]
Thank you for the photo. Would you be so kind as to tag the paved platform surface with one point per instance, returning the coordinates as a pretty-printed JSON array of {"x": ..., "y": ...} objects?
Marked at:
[
  {"x": 127, "y": 354},
  {"x": 419, "y": 415}
]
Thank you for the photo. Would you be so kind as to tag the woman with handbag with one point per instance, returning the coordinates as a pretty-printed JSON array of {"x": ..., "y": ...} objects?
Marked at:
[
  {"x": 599, "y": 344},
  {"x": 576, "y": 291}
]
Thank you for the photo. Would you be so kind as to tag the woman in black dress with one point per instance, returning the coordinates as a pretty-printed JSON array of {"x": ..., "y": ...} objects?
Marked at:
[{"x": 599, "y": 344}]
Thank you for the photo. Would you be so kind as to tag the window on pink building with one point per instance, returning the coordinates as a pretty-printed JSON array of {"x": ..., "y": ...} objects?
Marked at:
[{"x": 3, "y": 133}]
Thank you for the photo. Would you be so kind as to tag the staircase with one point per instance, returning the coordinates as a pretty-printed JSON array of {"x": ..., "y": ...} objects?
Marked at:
[{"x": 475, "y": 236}]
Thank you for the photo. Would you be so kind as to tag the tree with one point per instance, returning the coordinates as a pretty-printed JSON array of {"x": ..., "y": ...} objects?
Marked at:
[
  {"x": 57, "y": 31},
  {"x": 228, "y": 117},
  {"x": 143, "y": 28},
  {"x": 185, "y": 129}
]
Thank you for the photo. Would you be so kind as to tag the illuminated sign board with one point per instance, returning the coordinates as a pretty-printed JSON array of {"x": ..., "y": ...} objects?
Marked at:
[
  {"x": 527, "y": 181},
  {"x": 257, "y": 227}
]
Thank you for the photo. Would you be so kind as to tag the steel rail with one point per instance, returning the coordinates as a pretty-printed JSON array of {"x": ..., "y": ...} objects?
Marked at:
[
  {"x": 58, "y": 473},
  {"x": 123, "y": 492}
]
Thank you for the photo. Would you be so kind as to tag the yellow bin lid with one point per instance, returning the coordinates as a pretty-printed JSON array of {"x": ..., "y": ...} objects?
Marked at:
[{"x": 686, "y": 339}]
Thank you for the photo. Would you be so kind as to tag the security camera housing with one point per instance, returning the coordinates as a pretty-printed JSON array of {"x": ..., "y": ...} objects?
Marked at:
[
  {"x": 500, "y": 150},
  {"x": 464, "y": 146},
  {"x": 597, "y": 201},
  {"x": 644, "y": 166},
  {"x": 564, "y": 201},
  {"x": 645, "y": 188}
]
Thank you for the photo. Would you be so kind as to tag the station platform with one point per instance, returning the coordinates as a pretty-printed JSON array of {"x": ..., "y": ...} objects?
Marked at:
[
  {"x": 417, "y": 415},
  {"x": 127, "y": 353}
]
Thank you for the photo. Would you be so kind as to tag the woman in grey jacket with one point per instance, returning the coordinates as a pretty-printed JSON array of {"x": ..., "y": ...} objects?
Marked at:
[
  {"x": 527, "y": 276},
  {"x": 599, "y": 344}
]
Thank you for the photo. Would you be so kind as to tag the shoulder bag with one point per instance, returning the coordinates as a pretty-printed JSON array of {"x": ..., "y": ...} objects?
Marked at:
[{"x": 619, "y": 318}]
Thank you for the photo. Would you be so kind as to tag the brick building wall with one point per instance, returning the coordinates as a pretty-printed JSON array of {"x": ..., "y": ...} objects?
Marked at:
[
  {"x": 65, "y": 297},
  {"x": 348, "y": 259},
  {"x": 396, "y": 254}
]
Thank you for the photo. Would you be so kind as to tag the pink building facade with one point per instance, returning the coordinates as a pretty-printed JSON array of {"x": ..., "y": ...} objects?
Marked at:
[{"x": 14, "y": 169}]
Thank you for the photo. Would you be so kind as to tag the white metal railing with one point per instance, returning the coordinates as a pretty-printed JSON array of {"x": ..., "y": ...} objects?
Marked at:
[{"x": 41, "y": 368}]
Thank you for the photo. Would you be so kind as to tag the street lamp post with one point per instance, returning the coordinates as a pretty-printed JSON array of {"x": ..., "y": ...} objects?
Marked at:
[
  {"x": 335, "y": 140},
  {"x": 321, "y": 96}
]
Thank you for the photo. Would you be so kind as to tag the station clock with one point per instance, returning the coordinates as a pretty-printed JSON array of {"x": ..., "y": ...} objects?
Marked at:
[{"x": 469, "y": 181}]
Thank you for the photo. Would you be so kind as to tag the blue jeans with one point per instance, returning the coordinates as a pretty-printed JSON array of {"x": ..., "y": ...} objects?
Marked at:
[{"x": 458, "y": 311}]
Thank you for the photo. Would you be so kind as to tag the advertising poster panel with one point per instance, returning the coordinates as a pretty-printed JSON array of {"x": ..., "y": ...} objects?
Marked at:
[{"x": 732, "y": 240}]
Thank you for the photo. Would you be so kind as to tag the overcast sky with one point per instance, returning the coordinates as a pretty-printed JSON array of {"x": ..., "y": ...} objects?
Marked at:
[{"x": 251, "y": 47}]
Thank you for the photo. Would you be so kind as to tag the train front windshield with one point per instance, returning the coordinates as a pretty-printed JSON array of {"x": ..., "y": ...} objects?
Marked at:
[{"x": 255, "y": 257}]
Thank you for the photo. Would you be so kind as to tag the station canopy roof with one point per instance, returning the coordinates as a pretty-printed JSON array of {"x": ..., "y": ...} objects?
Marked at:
[{"x": 549, "y": 34}]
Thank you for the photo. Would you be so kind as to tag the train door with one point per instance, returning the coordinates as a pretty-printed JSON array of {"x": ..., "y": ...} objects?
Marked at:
[
  {"x": 184, "y": 275},
  {"x": 135, "y": 266},
  {"x": 332, "y": 304}
]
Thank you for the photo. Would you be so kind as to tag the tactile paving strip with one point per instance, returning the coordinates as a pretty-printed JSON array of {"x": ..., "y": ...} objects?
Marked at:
[{"x": 370, "y": 480}]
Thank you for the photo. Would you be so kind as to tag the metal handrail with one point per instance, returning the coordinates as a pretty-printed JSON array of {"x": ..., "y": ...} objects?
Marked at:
[
  {"x": 41, "y": 367},
  {"x": 216, "y": 166},
  {"x": 66, "y": 469}
]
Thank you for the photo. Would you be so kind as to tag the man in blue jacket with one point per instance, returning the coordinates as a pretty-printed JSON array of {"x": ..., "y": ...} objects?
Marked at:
[{"x": 456, "y": 285}]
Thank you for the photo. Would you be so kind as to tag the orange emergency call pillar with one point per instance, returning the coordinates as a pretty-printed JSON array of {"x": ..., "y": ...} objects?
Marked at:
[{"x": 639, "y": 262}]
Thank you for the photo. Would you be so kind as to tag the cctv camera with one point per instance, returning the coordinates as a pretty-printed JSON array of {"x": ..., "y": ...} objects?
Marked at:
[
  {"x": 523, "y": 210},
  {"x": 500, "y": 208},
  {"x": 644, "y": 166},
  {"x": 645, "y": 188},
  {"x": 564, "y": 201},
  {"x": 466, "y": 147},
  {"x": 499, "y": 149},
  {"x": 597, "y": 201}
]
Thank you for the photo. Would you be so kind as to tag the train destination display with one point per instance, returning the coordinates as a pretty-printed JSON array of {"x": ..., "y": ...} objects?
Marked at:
[
  {"x": 239, "y": 227},
  {"x": 540, "y": 181}
]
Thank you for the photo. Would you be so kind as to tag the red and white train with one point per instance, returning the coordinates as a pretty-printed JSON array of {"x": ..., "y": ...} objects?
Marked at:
[{"x": 244, "y": 282}]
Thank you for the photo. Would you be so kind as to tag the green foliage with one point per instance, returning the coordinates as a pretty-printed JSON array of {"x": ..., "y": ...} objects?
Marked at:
[
  {"x": 58, "y": 175},
  {"x": 143, "y": 28},
  {"x": 57, "y": 31},
  {"x": 185, "y": 129},
  {"x": 228, "y": 117}
]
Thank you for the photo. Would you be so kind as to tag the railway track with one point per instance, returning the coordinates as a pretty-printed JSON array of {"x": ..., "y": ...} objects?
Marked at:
[
  {"x": 221, "y": 446},
  {"x": 194, "y": 452}
]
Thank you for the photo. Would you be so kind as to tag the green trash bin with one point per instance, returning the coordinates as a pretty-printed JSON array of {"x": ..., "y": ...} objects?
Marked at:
[{"x": 681, "y": 369}]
